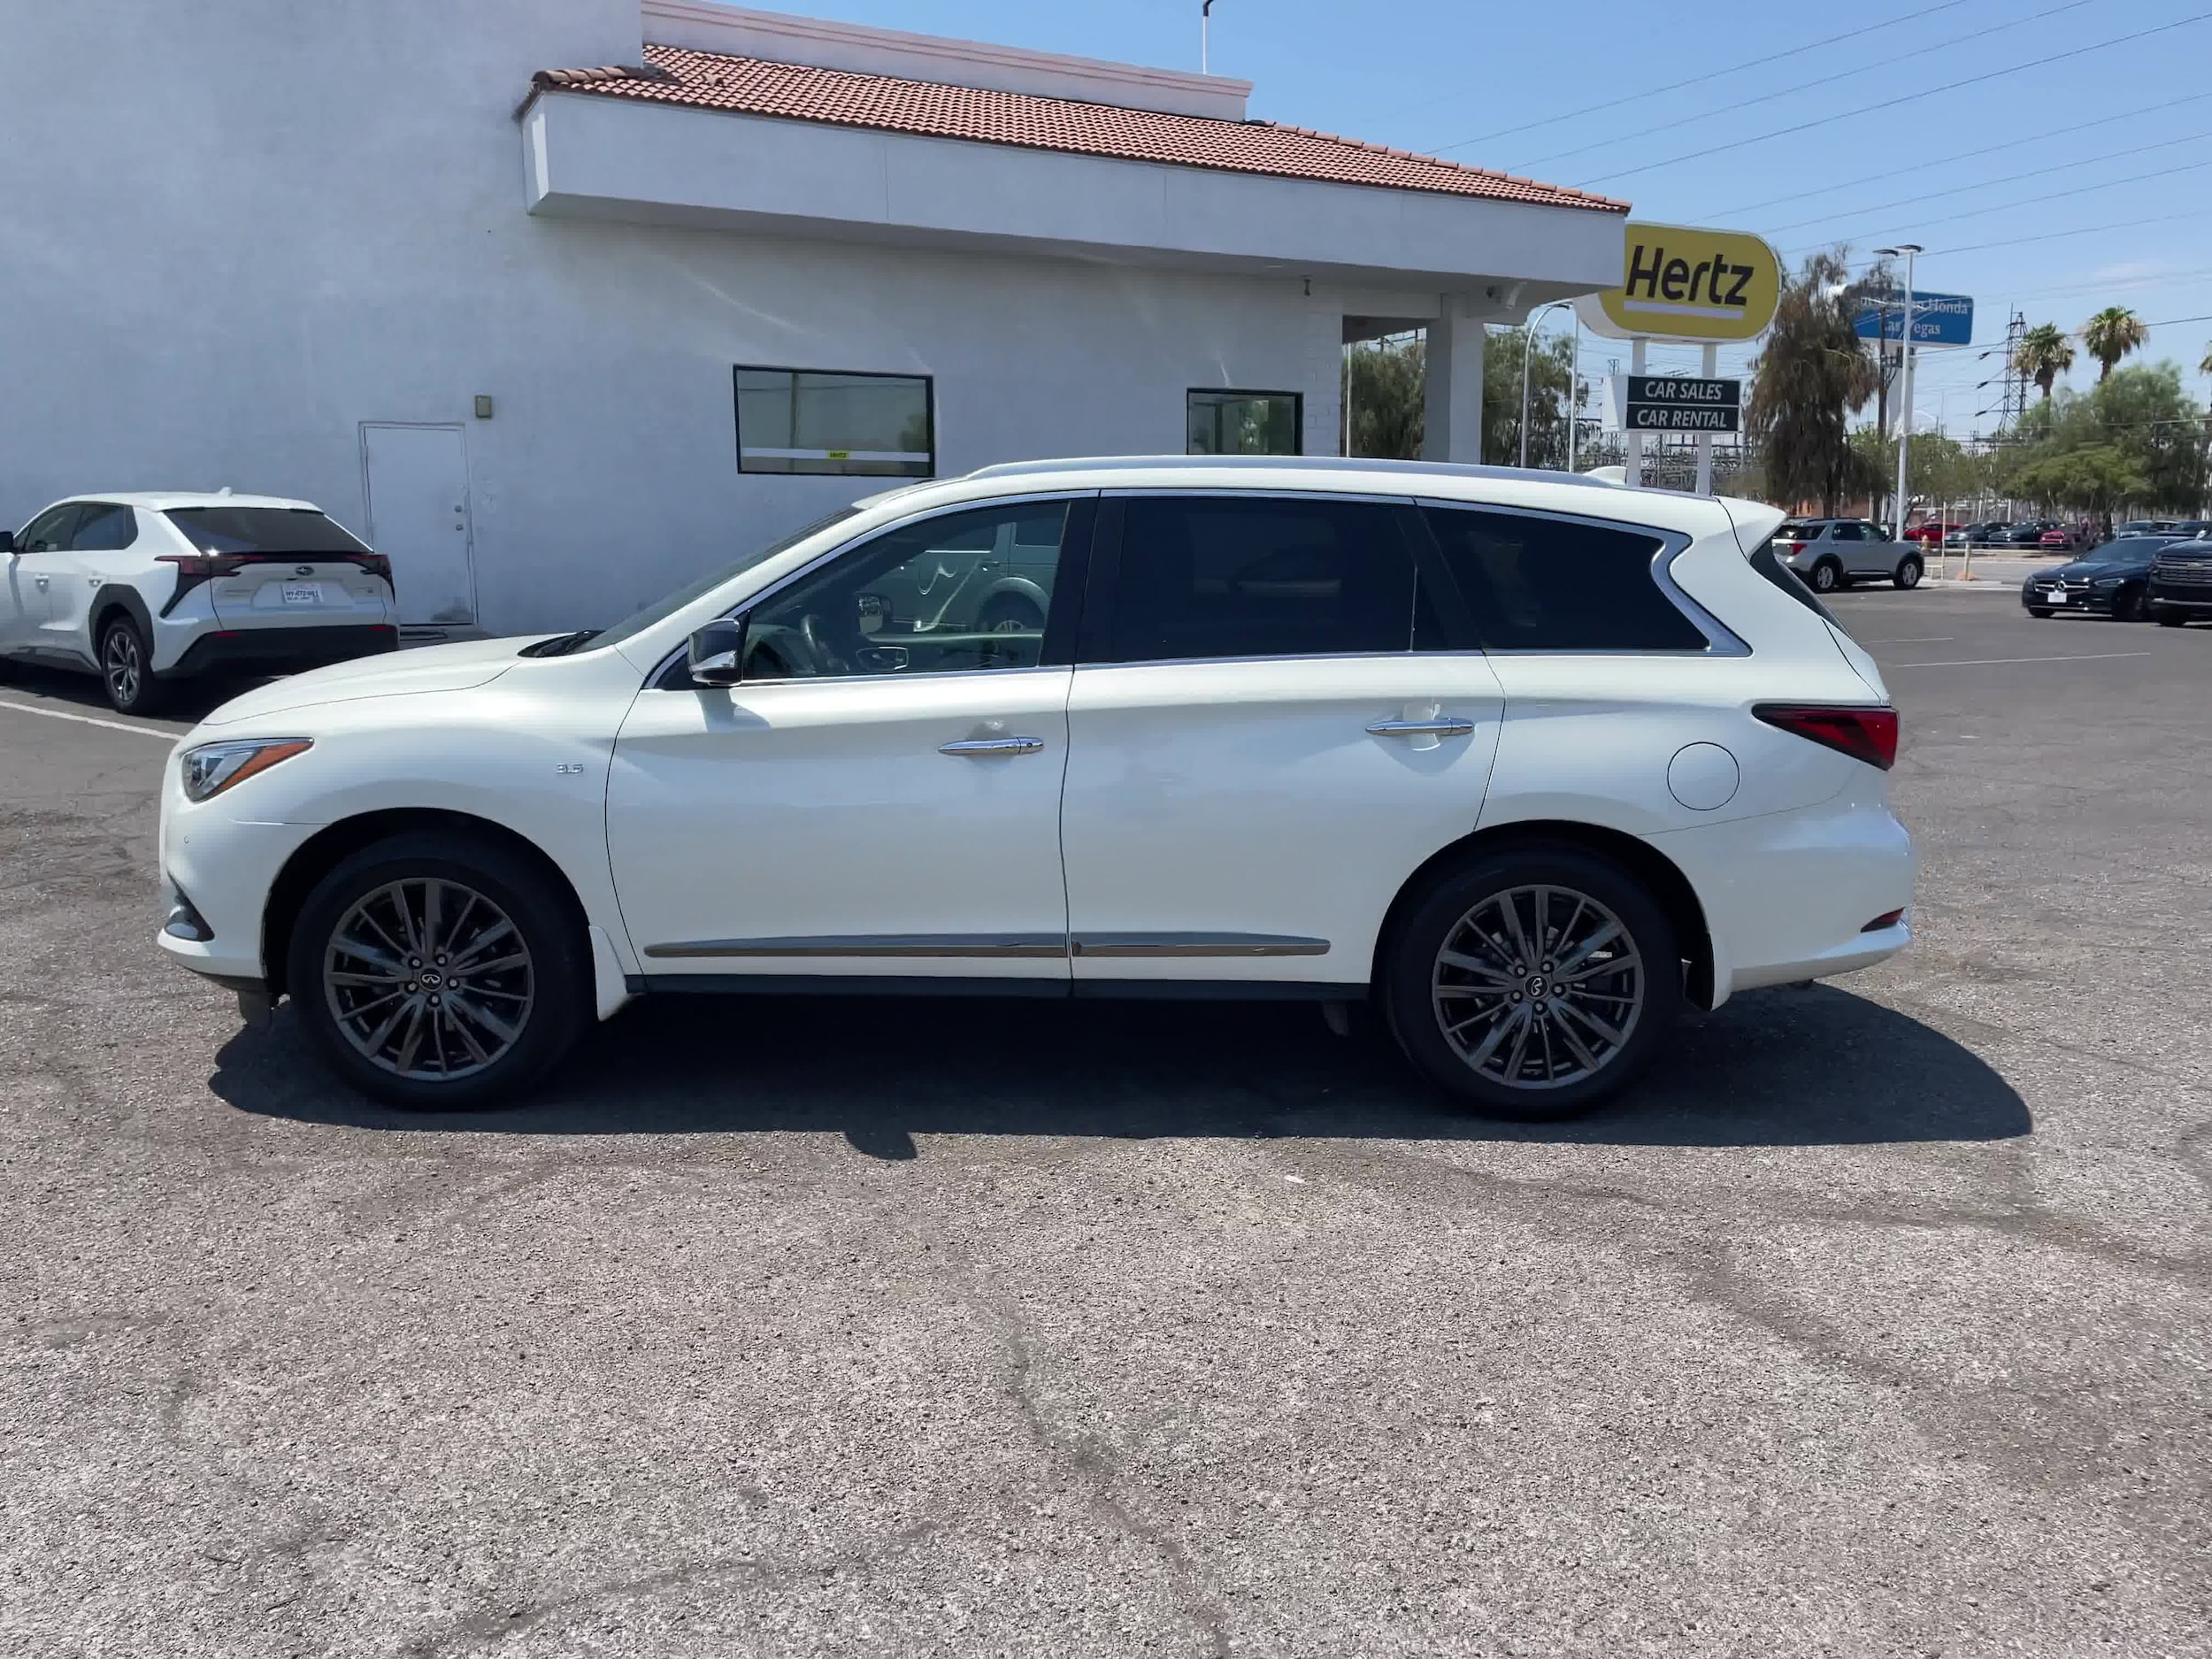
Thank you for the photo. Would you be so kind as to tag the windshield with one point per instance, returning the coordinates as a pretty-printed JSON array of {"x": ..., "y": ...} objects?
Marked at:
[
  {"x": 663, "y": 609},
  {"x": 263, "y": 530}
]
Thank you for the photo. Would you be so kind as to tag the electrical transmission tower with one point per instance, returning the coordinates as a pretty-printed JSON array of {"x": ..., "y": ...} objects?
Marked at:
[{"x": 2014, "y": 404}]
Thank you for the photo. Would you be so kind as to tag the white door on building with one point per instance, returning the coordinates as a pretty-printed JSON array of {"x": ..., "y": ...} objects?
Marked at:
[{"x": 416, "y": 478}]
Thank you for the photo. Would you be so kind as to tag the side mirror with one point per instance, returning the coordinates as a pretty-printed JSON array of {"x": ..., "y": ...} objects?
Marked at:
[
  {"x": 7, "y": 541},
  {"x": 717, "y": 652}
]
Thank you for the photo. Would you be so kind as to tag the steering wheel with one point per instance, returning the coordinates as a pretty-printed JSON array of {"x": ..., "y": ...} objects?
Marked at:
[{"x": 826, "y": 660}]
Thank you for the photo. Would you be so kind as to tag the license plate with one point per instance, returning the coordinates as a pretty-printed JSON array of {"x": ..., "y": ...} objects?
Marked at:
[
  {"x": 2059, "y": 598},
  {"x": 302, "y": 594}
]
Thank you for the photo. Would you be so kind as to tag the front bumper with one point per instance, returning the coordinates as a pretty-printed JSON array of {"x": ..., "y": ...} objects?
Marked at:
[
  {"x": 283, "y": 650},
  {"x": 2091, "y": 601},
  {"x": 2195, "y": 600},
  {"x": 224, "y": 868}
]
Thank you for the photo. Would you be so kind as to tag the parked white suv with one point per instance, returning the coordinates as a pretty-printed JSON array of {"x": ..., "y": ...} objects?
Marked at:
[
  {"x": 145, "y": 588},
  {"x": 1832, "y": 553},
  {"x": 1531, "y": 760}
]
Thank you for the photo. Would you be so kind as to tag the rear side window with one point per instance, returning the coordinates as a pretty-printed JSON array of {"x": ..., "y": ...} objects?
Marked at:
[
  {"x": 1537, "y": 584},
  {"x": 1260, "y": 576},
  {"x": 1782, "y": 577},
  {"x": 262, "y": 530},
  {"x": 105, "y": 529}
]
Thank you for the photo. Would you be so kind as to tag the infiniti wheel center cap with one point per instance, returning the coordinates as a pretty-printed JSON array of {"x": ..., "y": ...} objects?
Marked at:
[
  {"x": 431, "y": 979},
  {"x": 1534, "y": 986}
]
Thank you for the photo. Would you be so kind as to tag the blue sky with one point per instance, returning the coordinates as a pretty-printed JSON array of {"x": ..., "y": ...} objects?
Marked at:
[{"x": 1454, "y": 78}]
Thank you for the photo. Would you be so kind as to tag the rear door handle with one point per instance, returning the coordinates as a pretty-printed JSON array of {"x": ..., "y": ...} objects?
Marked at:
[
  {"x": 1442, "y": 726},
  {"x": 984, "y": 747},
  {"x": 41, "y": 581}
]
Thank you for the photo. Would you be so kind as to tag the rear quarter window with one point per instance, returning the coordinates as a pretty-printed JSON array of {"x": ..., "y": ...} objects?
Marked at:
[
  {"x": 1782, "y": 576},
  {"x": 1538, "y": 584}
]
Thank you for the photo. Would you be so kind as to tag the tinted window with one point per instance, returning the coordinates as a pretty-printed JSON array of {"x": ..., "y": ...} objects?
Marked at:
[
  {"x": 1782, "y": 577},
  {"x": 937, "y": 596},
  {"x": 1849, "y": 533},
  {"x": 1255, "y": 576},
  {"x": 262, "y": 530},
  {"x": 48, "y": 533},
  {"x": 105, "y": 529},
  {"x": 1538, "y": 584}
]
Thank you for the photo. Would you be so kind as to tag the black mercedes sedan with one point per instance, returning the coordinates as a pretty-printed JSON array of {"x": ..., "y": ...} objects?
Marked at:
[{"x": 2109, "y": 582}]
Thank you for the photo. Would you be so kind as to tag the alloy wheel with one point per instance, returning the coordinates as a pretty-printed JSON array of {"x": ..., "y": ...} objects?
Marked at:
[
  {"x": 123, "y": 665},
  {"x": 1538, "y": 987},
  {"x": 430, "y": 980}
]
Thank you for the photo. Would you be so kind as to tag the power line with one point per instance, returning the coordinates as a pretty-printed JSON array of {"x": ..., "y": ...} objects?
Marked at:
[
  {"x": 1711, "y": 74},
  {"x": 2053, "y": 195},
  {"x": 1825, "y": 79},
  {"x": 1864, "y": 110},
  {"x": 2010, "y": 178},
  {"x": 1964, "y": 155},
  {"x": 2048, "y": 235}
]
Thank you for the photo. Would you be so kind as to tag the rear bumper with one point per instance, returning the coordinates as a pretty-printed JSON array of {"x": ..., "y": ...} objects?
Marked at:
[
  {"x": 284, "y": 650},
  {"x": 1788, "y": 895}
]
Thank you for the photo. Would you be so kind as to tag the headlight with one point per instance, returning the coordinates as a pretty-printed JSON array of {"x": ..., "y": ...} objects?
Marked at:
[
  {"x": 2107, "y": 581},
  {"x": 212, "y": 768}
]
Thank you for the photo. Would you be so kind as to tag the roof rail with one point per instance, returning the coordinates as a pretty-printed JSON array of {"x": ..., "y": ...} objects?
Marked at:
[{"x": 1284, "y": 464}]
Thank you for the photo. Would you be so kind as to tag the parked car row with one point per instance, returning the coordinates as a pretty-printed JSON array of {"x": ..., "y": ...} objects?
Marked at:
[
  {"x": 2140, "y": 578},
  {"x": 143, "y": 589}
]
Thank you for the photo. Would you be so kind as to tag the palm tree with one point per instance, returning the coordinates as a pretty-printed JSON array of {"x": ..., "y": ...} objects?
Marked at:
[
  {"x": 2043, "y": 354},
  {"x": 2111, "y": 335},
  {"x": 1811, "y": 374}
]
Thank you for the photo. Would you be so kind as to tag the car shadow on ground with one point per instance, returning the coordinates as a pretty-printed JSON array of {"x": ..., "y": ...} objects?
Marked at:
[
  {"x": 1800, "y": 1066},
  {"x": 190, "y": 700}
]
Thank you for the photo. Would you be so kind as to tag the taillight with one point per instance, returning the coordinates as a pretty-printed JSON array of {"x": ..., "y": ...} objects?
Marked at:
[
  {"x": 1864, "y": 734},
  {"x": 376, "y": 564},
  {"x": 199, "y": 567}
]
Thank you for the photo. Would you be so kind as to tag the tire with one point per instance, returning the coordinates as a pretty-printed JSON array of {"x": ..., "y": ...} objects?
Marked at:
[
  {"x": 1010, "y": 613},
  {"x": 2132, "y": 607},
  {"x": 458, "y": 1059},
  {"x": 125, "y": 668},
  {"x": 1909, "y": 572},
  {"x": 1418, "y": 984},
  {"x": 2170, "y": 619},
  {"x": 1827, "y": 577},
  {"x": 2038, "y": 610}
]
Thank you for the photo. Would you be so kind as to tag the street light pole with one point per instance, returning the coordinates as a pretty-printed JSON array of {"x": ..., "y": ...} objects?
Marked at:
[
  {"x": 1528, "y": 350},
  {"x": 1205, "y": 22},
  {"x": 1904, "y": 383}
]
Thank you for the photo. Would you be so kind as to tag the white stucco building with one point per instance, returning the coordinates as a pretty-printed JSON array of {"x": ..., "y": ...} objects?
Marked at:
[{"x": 562, "y": 302}]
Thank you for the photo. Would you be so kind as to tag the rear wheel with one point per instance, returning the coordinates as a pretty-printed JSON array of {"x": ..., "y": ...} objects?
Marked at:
[
  {"x": 1827, "y": 577},
  {"x": 1010, "y": 613},
  {"x": 2170, "y": 618},
  {"x": 1531, "y": 983},
  {"x": 437, "y": 975},
  {"x": 125, "y": 670},
  {"x": 1909, "y": 570}
]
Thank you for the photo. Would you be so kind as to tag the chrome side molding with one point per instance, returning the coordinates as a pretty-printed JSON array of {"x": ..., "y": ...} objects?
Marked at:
[
  {"x": 1197, "y": 945},
  {"x": 1024, "y": 945}
]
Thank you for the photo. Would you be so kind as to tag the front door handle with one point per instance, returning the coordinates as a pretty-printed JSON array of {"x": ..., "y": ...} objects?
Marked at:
[
  {"x": 984, "y": 747},
  {"x": 41, "y": 581},
  {"x": 1441, "y": 725}
]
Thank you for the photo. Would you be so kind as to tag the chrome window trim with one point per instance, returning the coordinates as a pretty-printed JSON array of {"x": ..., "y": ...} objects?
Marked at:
[
  {"x": 1720, "y": 639},
  {"x": 850, "y": 543}
]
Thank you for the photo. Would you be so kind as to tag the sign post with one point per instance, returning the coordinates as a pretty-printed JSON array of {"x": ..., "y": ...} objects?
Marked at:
[{"x": 1705, "y": 439}]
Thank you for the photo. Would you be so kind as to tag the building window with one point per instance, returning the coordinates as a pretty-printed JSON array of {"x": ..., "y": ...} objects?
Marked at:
[
  {"x": 1246, "y": 423},
  {"x": 841, "y": 425}
]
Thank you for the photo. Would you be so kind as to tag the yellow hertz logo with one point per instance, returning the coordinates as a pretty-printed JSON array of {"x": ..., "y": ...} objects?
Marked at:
[{"x": 1684, "y": 283}]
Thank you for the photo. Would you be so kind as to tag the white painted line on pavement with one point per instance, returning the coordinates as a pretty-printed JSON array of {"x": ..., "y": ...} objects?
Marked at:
[
  {"x": 87, "y": 719},
  {"x": 1925, "y": 639},
  {"x": 1985, "y": 662}
]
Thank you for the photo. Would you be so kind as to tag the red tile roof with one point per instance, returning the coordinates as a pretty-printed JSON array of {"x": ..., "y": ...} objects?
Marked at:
[{"x": 754, "y": 86}]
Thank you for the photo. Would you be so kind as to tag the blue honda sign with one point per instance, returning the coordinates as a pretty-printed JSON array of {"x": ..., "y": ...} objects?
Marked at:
[{"x": 1938, "y": 319}]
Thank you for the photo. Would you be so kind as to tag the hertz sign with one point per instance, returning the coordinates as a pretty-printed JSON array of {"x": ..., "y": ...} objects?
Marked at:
[{"x": 1683, "y": 284}]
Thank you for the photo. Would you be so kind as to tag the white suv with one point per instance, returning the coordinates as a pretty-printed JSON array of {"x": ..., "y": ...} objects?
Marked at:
[
  {"x": 143, "y": 588},
  {"x": 1528, "y": 759}
]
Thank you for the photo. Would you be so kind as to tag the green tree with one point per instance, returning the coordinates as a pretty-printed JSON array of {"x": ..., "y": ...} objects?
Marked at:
[
  {"x": 2141, "y": 412},
  {"x": 2095, "y": 479},
  {"x": 1385, "y": 384},
  {"x": 2043, "y": 354},
  {"x": 1548, "y": 374},
  {"x": 1809, "y": 377},
  {"x": 2111, "y": 335}
]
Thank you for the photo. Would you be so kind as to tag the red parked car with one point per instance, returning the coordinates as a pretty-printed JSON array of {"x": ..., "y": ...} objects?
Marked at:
[
  {"x": 2065, "y": 538},
  {"x": 1930, "y": 532}
]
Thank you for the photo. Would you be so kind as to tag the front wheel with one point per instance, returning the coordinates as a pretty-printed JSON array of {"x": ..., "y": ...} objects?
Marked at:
[
  {"x": 1909, "y": 570},
  {"x": 2170, "y": 618},
  {"x": 1531, "y": 983},
  {"x": 439, "y": 975},
  {"x": 2038, "y": 610},
  {"x": 126, "y": 670}
]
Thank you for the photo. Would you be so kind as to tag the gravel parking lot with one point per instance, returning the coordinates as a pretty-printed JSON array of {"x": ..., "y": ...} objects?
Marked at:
[{"x": 1875, "y": 1321}]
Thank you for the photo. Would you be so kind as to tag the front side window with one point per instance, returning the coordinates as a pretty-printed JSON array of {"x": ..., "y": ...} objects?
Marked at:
[
  {"x": 48, "y": 533},
  {"x": 1244, "y": 423},
  {"x": 962, "y": 591},
  {"x": 834, "y": 424},
  {"x": 1227, "y": 576},
  {"x": 1538, "y": 584},
  {"x": 104, "y": 528}
]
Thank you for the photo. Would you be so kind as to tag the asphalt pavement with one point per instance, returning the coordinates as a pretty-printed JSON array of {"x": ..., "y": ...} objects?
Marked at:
[{"x": 1875, "y": 1321}]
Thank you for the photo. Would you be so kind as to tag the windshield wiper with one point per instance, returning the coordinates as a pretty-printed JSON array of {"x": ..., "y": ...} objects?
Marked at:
[{"x": 562, "y": 644}]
